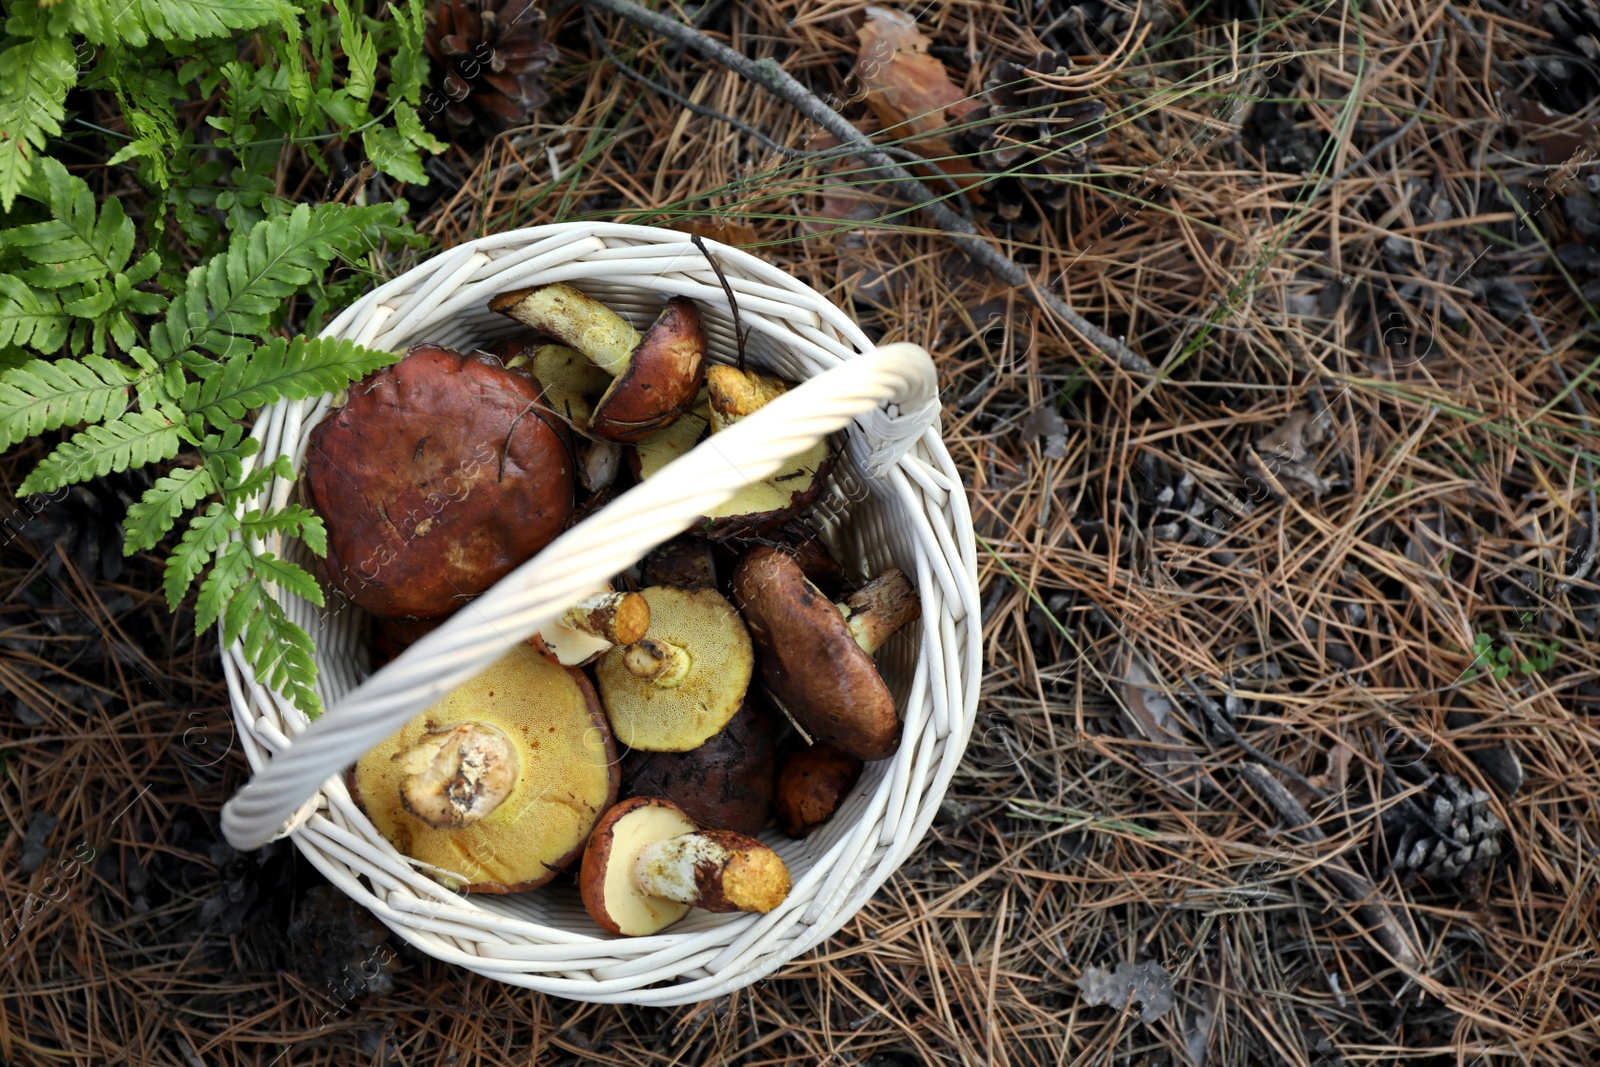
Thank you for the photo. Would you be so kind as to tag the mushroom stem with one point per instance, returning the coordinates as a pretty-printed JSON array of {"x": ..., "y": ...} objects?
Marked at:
[
  {"x": 453, "y": 778},
  {"x": 621, "y": 618},
  {"x": 599, "y": 463},
  {"x": 880, "y": 608},
  {"x": 575, "y": 319},
  {"x": 717, "y": 870},
  {"x": 735, "y": 393},
  {"x": 662, "y": 663}
]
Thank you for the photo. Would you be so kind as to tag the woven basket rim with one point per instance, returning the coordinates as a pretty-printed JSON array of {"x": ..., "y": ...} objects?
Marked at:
[{"x": 706, "y": 958}]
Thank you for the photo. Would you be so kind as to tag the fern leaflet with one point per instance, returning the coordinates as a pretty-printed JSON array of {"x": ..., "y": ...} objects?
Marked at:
[
  {"x": 150, "y": 517},
  {"x": 40, "y": 396},
  {"x": 35, "y": 74},
  {"x": 132, "y": 440},
  {"x": 291, "y": 370}
]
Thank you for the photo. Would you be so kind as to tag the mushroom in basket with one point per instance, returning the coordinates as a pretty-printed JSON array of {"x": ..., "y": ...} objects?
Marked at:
[
  {"x": 816, "y": 656},
  {"x": 590, "y": 628},
  {"x": 435, "y": 478},
  {"x": 657, "y": 375},
  {"x": 733, "y": 394},
  {"x": 682, "y": 683},
  {"x": 499, "y": 784},
  {"x": 647, "y": 864}
]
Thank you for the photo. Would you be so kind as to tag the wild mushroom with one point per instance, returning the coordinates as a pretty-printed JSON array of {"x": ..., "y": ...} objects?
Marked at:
[
  {"x": 646, "y": 865},
  {"x": 685, "y": 680},
  {"x": 733, "y": 394},
  {"x": 726, "y": 783},
  {"x": 435, "y": 478},
  {"x": 816, "y": 656},
  {"x": 812, "y": 782},
  {"x": 572, "y": 385},
  {"x": 685, "y": 561},
  {"x": 657, "y": 374},
  {"x": 497, "y": 785},
  {"x": 587, "y": 630}
]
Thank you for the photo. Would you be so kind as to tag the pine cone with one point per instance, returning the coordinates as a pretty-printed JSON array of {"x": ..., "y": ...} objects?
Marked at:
[
  {"x": 1446, "y": 833},
  {"x": 1569, "y": 79},
  {"x": 1439, "y": 257},
  {"x": 1095, "y": 27},
  {"x": 492, "y": 56},
  {"x": 1036, "y": 131}
]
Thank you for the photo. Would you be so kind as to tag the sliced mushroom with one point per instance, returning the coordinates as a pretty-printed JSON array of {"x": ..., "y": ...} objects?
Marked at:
[
  {"x": 498, "y": 785},
  {"x": 646, "y": 865},
  {"x": 812, "y": 782},
  {"x": 657, "y": 374},
  {"x": 685, "y": 680},
  {"x": 588, "y": 630},
  {"x": 816, "y": 656}
]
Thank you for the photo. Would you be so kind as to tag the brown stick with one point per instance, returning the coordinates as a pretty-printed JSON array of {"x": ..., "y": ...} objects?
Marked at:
[{"x": 773, "y": 78}]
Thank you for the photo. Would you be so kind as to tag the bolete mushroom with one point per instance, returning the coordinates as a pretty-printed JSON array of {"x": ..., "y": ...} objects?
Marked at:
[
  {"x": 646, "y": 865},
  {"x": 816, "y": 656},
  {"x": 733, "y": 394},
  {"x": 656, "y": 375},
  {"x": 685, "y": 679},
  {"x": 812, "y": 782},
  {"x": 587, "y": 630},
  {"x": 498, "y": 785},
  {"x": 435, "y": 478},
  {"x": 685, "y": 561},
  {"x": 726, "y": 783}
]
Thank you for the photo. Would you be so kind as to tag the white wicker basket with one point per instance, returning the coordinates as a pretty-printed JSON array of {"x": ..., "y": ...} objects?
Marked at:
[{"x": 906, "y": 507}]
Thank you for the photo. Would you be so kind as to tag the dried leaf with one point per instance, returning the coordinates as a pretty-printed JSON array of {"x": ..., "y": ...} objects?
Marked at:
[
  {"x": 1282, "y": 455},
  {"x": 717, "y": 228},
  {"x": 908, "y": 89},
  {"x": 1148, "y": 983},
  {"x": 1147, "y": 712}
]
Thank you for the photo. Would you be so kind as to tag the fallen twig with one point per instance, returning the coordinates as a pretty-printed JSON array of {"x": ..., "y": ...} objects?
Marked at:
[
  {"x": 1393, "y": 934},
  {"x": 770, "y": 76}
]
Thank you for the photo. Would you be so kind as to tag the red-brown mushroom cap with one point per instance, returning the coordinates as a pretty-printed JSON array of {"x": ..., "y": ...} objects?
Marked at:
[
  {"x": 606, "y": 886},
  {"x": 658, "y": 374},
  {"x": 437, "y": 477},
  {"x": 808, "y": 659},
  {"x": 660, "y": 381}
]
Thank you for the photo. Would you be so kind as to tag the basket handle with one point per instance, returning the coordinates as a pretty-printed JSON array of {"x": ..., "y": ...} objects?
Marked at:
[{"x": 607, "y": 542}]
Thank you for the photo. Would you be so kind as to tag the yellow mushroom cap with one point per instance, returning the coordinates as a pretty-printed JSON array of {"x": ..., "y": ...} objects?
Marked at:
[
  {"x": 646, "y": 716},
  {"x": 567, "y": 777}
]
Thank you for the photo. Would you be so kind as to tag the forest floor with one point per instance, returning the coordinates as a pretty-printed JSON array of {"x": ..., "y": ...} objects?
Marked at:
[{"x": 1291, "y": 671}]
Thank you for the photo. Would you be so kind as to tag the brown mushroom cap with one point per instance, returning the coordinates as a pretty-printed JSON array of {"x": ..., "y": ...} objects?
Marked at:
[
  {"x": 606, "y": 879},
  {"x": 437, "y": 477},
  {"x": 657, "y": 375},
  {"x": 809, "y": 660},
  {"x": 567, "y": 777},
  {"x": 812, "y": 782},
  {"x": 726, "y": 783},
  {"x": 703, "y": 624}
]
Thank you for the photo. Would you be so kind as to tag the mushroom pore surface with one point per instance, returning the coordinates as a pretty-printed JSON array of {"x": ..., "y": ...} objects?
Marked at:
[{"x": 566, "y": 779}]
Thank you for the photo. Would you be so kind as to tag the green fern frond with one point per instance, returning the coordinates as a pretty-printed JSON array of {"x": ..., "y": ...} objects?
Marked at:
[
  {"x": 290, "y": 577},
  {"x": 280, "y": 369},
  {"x": 206, "y": 534},
  {"x": 291, "y": 521},
  {"x": 35, "y": 75},
  {"x": 152, "y": 515},
  {"x": 264, "y": 267},
  {"x": 132, "y": 440},
  {"x": 30, "y": 317},
  {"x": 137, "y": 22},
  {"x": 283, "y": 655},
  {"x": 77, "y": 244},
  {"x": 228, "y": 571},
  {"x": 40, "y": 396}
]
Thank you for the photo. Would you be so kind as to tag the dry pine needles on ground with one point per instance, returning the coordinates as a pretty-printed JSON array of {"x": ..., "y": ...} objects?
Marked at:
[{"x": 1286, "y": 751}]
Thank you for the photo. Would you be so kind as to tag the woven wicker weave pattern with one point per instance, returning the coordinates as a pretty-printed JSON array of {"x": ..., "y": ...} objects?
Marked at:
[{"x": 905, "y": 507}]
